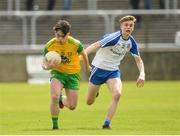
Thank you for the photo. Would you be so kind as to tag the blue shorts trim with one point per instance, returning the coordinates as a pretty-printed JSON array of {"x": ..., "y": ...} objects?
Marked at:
[{"x": 100, "y": 76}]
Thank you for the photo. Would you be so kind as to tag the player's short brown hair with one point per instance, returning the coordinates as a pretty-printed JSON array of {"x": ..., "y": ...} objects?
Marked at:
[
  {"x": 127, "y": 18},
  {"x": 62, "y": 25}
]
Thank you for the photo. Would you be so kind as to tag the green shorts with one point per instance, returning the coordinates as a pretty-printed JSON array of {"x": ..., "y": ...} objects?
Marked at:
[{"x": 70, "y": 81}]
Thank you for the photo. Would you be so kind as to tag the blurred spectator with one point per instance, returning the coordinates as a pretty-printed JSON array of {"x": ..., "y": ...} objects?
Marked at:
[
  {"x": 29, "y": 4},
  {"x": 50, "y": 4},
  {"x": 147, "y": 4},
  {"x": 136, "y": 4},
  {"x": 66, "y": 5},
  {"x": 162, "y": 4}
]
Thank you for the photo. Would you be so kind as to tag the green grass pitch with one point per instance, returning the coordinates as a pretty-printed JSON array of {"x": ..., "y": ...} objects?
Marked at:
[{"x": 153, "y": 109}]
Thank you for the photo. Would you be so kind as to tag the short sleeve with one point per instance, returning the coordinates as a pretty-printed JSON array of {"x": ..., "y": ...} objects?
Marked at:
[
  {"x": 80, "y": 48},
  {"x": 134, "y": 50},
  {"x": 45, "y": 51},
  {"x": 110, "y": 39}
]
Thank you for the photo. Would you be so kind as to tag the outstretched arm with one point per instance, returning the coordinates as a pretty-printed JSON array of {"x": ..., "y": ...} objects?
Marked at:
[
  {"x": 140, "y": 65},
  {"x": 93, "y": 48},
  {"x": 86, "y": 61}
]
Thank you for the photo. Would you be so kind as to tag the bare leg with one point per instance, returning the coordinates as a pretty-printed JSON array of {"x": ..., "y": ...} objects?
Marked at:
[
  {"x": 92, "y": 91},
  {"x": 71, "y": 100},
  {"x": 115, "y": 87},
  {"x": 56, "y": 86}
]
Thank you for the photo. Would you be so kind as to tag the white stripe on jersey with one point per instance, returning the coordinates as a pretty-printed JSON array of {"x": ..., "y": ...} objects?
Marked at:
[
  {"x": 109, "y": 38},
  {"x": 92, "y": 72}
]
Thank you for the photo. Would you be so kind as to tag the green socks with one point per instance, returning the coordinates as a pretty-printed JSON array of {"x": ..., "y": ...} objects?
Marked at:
[{"x": 55, "y": 122}]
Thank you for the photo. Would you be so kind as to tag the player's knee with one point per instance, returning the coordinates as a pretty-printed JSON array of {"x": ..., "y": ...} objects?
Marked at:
[
  {"x": 116, "y": 96},
  {"x": 55, "y": 98}
]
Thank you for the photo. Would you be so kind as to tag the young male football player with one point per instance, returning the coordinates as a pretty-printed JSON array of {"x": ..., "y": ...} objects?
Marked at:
[
  {"x": 66, "y": 74},
  {"x": 111, "y": 49}
]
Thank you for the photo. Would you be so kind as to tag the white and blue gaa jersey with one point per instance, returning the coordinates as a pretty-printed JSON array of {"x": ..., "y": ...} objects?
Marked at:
[{"x": 112, "y": 51}]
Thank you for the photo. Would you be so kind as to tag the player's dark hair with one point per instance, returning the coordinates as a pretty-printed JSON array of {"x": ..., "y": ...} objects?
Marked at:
[{"x": 62, "y": 25}]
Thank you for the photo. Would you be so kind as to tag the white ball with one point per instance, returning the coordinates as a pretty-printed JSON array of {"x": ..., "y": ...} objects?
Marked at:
[{"x": 52, "y": 55}]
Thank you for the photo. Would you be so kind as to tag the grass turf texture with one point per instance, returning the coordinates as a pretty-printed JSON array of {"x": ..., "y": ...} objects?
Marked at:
[{"x": 154, "y": 109}]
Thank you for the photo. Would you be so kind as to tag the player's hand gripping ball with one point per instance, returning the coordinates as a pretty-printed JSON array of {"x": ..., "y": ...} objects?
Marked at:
[{"x": 53, "y": 56}]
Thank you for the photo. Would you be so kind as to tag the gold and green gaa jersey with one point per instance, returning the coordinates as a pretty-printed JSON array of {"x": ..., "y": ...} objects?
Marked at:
[{"x": 69, "y": 52}]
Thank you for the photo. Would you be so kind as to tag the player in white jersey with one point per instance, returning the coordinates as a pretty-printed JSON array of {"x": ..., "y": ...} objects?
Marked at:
[{"x": 111, "y": 49}]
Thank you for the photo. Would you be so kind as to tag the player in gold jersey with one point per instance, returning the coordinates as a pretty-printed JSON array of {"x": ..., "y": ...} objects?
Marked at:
[{"x": 66, "y": 74}]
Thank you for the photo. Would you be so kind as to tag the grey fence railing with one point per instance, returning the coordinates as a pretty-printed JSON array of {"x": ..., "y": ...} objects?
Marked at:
[{"x": 108, "y": 16}]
